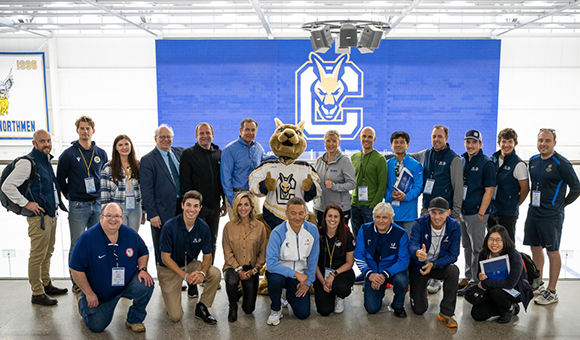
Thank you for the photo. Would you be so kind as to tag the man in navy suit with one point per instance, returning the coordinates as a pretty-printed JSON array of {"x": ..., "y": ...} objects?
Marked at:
[{"x": 160, "y": 185}]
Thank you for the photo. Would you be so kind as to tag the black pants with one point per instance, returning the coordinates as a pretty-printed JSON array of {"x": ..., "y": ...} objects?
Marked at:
[
  {"x": 497, "y": 302},
  {"x": 341, "y": 287},
  {"x": 249, "y": 289},
  {"x": 319, "y": 215},
  {"x": 211, "y": 216},
  {"x": 418, "y": 293},
  {"x": 156, "y": 232},
  {"x": 509, "y": 222}
]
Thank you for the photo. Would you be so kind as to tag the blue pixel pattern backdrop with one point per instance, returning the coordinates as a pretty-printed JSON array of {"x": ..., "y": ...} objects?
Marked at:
[{"x": 407, "y": 85}]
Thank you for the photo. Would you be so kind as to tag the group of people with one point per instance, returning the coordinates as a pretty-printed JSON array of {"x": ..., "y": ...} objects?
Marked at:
[{"x": 473, "y": 200}]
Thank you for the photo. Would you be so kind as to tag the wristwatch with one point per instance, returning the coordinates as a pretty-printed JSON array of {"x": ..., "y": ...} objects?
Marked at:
[
  {"x": 238, "y": 269},
  {"x": 144, "y": 269}
]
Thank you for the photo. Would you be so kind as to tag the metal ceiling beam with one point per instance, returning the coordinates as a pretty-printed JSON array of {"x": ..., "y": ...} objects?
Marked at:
[
  {"x": 406, "y": 12},
  {"x": 120, "y": 16},
  {"x": 262, "y": 17},
  {"x": 11, "y": 24},
  {"x": 547, "y": 14}
]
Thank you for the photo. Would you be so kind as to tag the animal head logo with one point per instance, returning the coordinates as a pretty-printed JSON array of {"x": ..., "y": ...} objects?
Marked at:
[
  {"x": 287, "y": 185},
  {"x": 322, "y": 92},
  {"x": 288, "y": 142},
  {"x": 5, "y": 87}
]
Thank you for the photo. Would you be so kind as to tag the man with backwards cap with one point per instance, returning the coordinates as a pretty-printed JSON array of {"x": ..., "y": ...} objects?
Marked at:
[{"x": 478, "y": 186}]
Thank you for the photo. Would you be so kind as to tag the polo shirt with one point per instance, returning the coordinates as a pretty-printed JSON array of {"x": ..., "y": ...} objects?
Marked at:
[
  {"x": 334, "y": 252},
  {"x": 181, "y": 244}
]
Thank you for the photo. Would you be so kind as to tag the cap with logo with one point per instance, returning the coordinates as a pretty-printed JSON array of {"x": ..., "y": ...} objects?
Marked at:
[{"x": 473, "y": 134}]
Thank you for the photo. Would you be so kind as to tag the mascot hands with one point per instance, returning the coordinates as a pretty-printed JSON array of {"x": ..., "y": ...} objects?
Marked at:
[
  {"x": 307, "y": 183},
  {"x": 271, "y": 182}
]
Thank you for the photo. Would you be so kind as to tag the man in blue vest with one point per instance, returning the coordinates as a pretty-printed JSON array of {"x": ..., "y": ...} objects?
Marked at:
[
  {"x": 42, "y": 200},
  {"x": 478, "y": 186},
  {"x": 512, "y": 182},
  {"x": 550, "y": 174}
]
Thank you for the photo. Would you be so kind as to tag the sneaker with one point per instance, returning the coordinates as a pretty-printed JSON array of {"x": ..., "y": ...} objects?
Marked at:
[
  {"x": 463, "y": 283},
  {"x": 359, "y": 280},
  {"x": 547, "y": 297},
  {"x": 192, "y": 291},
  {"x": 541, "y": 288},
  {"x": 433, "y": 286},
  {"x": 448, "y": 321},
  {"x": 135, "y": 327},
  {"x": 338, "y": 305},
  {"x": 274, "y": 318}
]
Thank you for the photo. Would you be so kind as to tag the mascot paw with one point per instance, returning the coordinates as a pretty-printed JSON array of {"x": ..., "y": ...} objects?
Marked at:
[
  {"x": 307, "y": 183},
  {"x": 270, "y": 182}
]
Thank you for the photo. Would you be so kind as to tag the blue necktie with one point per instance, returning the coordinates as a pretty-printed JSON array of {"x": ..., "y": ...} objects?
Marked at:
[{"x": 174, "y": 174}]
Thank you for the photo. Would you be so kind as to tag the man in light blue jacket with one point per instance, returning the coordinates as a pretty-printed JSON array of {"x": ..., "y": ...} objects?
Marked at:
[{"x": 291, "y": 259}]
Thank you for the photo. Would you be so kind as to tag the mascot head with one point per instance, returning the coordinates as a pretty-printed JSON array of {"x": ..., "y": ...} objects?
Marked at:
[{"x": 288, "y": 142}]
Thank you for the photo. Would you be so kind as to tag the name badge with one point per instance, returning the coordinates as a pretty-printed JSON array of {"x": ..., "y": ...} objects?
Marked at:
[
  {"x": 396, "y": 203},
  {"x": 118, "y": 276},
  {"x": 536, "y": 195},
  {"x": 429, "y": 186},
  {"x": 363, "y": 193},
  {"x": 464, "y": 192},
  {"x": 130, "y": 203},
  {"x": 327, "y": 272},
  {"x": 56, "y": 200},
  {"x": 90, "y": 185}
]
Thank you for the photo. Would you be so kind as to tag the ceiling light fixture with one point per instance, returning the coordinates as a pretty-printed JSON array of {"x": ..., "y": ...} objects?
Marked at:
[{"x": 365, "y": 35}]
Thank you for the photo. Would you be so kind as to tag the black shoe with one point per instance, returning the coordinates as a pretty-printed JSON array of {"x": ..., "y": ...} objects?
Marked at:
[
  {"x": 505, "y": 318},
  {"x": 461, "y": 291},
  {"x": 43, "y": 300},
  {"x": 52, "y": 290},
  {"x": 192, "y": 291},
  {"x": 516, "y": 308},
  {"x": 202, "y": 313},
  {"x": 399, "y": 312},
  {"x": 233, "y": 312}
]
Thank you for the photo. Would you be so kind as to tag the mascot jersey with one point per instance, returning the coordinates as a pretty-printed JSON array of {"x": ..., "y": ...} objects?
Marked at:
[{"x": 288, "y": 181}]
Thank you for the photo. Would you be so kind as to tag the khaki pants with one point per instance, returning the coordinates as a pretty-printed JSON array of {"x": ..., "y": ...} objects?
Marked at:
[
  {"x": 41, "y": 248},
  {"x": 170, "y": 284},
  {"x": 230, "y": 211}
]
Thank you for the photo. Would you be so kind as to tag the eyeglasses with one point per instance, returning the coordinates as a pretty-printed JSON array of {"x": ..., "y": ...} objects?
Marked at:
[
  {"x": 112, "y": 216},
  {"x": 165, "y": 137},
  {"x": 549, "y": 130},
  {"x": 495, "y": 240}
]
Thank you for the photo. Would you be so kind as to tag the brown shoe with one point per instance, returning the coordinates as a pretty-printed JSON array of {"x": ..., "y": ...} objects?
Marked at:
[
  {"x": 463, "y": 283},
  {"x": 136, "y": 327}
]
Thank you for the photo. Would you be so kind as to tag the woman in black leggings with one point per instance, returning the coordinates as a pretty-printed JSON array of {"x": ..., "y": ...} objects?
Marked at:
[{"x": 498, "y": 302}]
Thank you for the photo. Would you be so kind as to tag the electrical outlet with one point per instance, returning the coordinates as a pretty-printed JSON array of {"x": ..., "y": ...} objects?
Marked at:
[
  {"x": 567, "y": 254},
  {"x": 8, "y": 253}
]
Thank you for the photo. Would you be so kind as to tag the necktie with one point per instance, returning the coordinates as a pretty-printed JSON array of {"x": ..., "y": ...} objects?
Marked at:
[{"x": 174, "y": 174}]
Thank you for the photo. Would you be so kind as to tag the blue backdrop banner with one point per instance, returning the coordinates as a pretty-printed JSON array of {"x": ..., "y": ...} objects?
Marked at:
[{"x": 407, "y": 85}]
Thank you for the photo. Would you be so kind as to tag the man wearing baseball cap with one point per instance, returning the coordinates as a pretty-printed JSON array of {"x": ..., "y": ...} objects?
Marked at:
[
  {"x": 478, "y": 187},
  {"x": 434, "y": 248}
]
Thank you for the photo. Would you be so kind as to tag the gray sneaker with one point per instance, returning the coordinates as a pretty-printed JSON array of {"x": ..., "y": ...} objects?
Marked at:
[
  {"x": 433, "y": 286},
  {"x": 547, "y": 298},
  {"x": 274, "y": 318}
]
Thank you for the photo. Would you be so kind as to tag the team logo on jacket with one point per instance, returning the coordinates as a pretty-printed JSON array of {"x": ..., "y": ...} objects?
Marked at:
[
  {"x": 443, "y": 163},
  {"x": 97, "y": 159},
  {"x": 507, "y": 168},
  {"x": 549, "y": 168},
  {"x": 475, "y": 168},
  {"x": 129, "y": 252},
  {"x": 322, "y": 92},
  {"x": 287, "y": 185},
  {"x": 446, "y": 239},
  {"x": 393, "y": 246},
  {"x": 196, "y": 240}
]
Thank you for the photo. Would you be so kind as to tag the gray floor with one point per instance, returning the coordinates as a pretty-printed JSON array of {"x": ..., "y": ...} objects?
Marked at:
[{"x": 19, "y": 319}]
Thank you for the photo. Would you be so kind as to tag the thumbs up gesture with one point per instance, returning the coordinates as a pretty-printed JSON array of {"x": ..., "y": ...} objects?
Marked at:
[
  {"x": 307, "y": 183},
  {"x": 421, "y": 253},
  {"x": 328, "y": 183},
  {"x": 270, "y": 182}
]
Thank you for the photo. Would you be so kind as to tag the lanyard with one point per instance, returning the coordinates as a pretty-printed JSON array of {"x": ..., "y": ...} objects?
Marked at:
[
  {"x": 440, "y": 239},
  {"x": 115, "y": 252},
  {"x": 128, "y": 178},
  {"x": 363, "y": 169},
  {"x": 91, "y": 162},
  {"x": 328, "y": 250}
]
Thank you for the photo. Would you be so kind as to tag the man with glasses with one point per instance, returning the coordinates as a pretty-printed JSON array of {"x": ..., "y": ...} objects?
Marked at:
[
  {"x": 550, "y": 175},
  {"x": 108, "y": 262},
  {"x": 160, "y": 183}
]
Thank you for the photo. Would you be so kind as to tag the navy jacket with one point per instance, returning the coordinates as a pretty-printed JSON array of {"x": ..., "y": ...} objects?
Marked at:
[
  {"x": 478, "y": 174},
  {"x": 157, "y": 188},
  {"x": 43, "y": 185},
  {"x": 507, "y": 197},
  {"x": 421, "y": 234},
  {"x": 437, "y": 166}
]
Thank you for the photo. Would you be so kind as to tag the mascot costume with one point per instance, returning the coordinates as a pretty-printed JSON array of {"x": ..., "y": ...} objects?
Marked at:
[{"x": 284, "y": 177}]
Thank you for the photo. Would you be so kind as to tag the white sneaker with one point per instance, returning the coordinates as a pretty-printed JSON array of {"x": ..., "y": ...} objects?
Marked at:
[
  {"x": 541, "y": 288},
  {"x": 546, "y": 298},
  {"x": 338, "y": 305},
  {"x": 274, "y": 318},
  {"x": 283, "y": 299},
  {"x": 433, "y": 286}
]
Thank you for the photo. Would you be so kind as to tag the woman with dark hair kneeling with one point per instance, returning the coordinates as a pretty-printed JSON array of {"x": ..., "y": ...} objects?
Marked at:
[
  {"x": 244, "y": 242},
  {"x": 498, "y": 302},
  {"x": 334, "y": 274}
]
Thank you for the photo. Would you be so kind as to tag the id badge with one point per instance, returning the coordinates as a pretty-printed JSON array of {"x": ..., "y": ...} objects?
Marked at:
[
  {"x": 494, "y": 193},
  {"x": 429, "y": 186},
  {"x": 464, "y": 192},
  {"x": 396, "y": 203},
  {"x": 56, "y": 200},
  {"x": 118, "y": 276},
  {"x": 536, "y": 195},
  {"x": 363, "y": 194},
  {"x": 130, "y": 203},
  {"x": 90, "y": 185},
  {"x": 327, "y": 272}
]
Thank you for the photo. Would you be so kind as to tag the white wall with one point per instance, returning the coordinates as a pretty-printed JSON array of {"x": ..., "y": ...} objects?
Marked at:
[{"x": 113, "y": 80}]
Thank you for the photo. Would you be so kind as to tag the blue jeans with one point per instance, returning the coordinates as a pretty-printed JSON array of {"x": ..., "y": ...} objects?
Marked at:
[
  {"x": 359, "y": 216},
  {"x": 81, "y": 216},
  {"x": 132, "y": 218},
  {"x": 300, "y": 305},
  {"x": 98, "y": 318},
  {"x": 373, "y": 299}
]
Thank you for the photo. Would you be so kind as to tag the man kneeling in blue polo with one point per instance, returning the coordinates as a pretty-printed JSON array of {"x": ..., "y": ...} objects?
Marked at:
[
  {"x": 382, "y": 255},
  {"x": 108, "y": 262},
  {"x": 291, "y": 259}
]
